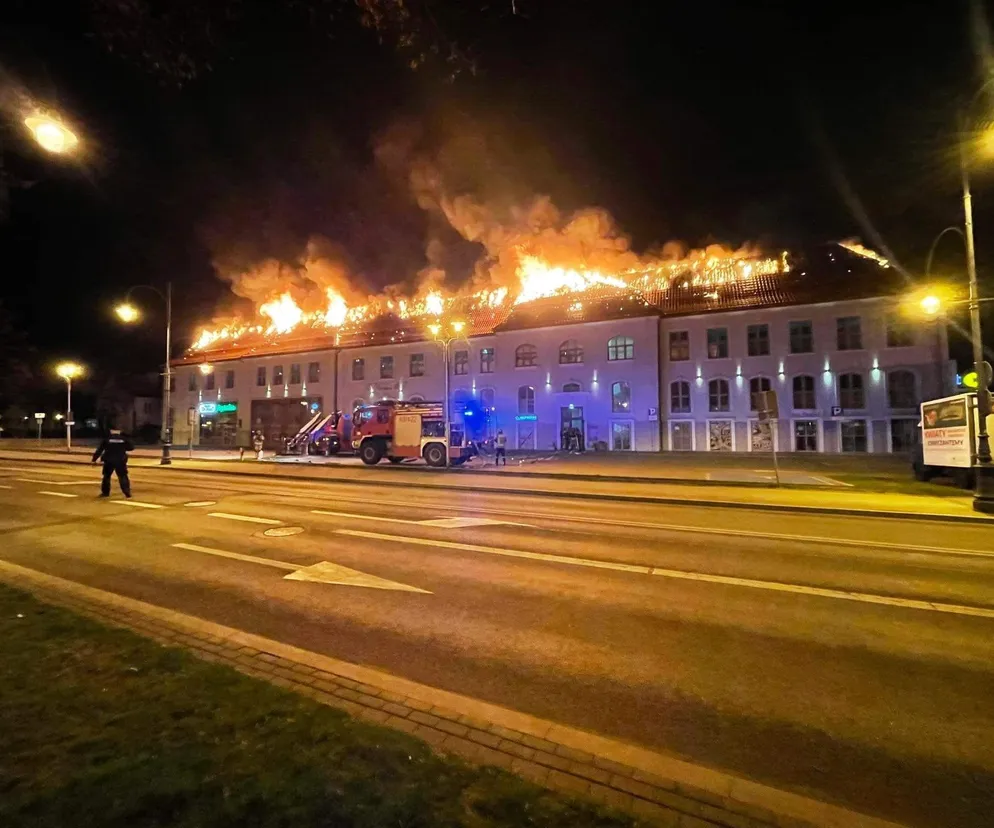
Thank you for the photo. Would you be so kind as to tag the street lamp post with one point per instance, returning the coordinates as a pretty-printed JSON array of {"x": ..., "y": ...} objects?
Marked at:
[
  {"x": 445, "y": 337},
  {"x": 128, "y": 313},
  {"x": 52, "y": 135},
  {"x": 983, "y": 498},
  {"x": 68, "y": 371}
]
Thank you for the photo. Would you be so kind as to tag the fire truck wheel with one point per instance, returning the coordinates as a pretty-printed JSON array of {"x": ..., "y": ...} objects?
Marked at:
[
  {"x": 434, "y": 454},
  {"x": 371, "y": 452}
]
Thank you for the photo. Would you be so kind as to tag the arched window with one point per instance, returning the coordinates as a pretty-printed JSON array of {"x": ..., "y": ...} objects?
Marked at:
[
  {"x": 718, "y": 395},
  {"x": 570, "y": 352},
  {"x": 680, "y": 397},
  {"x": 525, "y": 356},
  {"x": 572, "y": 387},
  {"x": 757, "y": 385},
  {"x": 487, "y": 396},
  {"x": 415, "y": 398},
  {"x": 620, "y": 347},
  {"x": 621, "y": 398},
  {"x": 526, "y": 400},
  {"x": 901, "y": 391},
  {"x": 851, "y": 391},
  {"x": 804, "y": 392}
]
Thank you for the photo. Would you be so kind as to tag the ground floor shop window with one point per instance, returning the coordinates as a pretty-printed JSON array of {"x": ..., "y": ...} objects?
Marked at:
[
  {"x": 903, "y": 434},
  {"x": 721, "y": 435},
  {"x": 854, "y": 435},
  {"x": 682, "y": 436},
  {"x": 805, "y": 435},
  {"x": 622, "y": 436},
  {"x": 761, "y": 436},
  {"x": 526, "y": 430}
]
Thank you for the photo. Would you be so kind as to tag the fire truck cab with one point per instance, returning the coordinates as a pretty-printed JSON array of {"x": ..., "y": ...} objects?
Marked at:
[{"x": 403, "y": 431}]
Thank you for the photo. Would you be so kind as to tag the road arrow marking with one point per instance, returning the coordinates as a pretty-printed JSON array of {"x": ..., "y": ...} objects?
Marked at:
[
  {"x": 246, "y": 518},
  {"x": 324, "y": 572},
  {"x": 330, "y": 573}
]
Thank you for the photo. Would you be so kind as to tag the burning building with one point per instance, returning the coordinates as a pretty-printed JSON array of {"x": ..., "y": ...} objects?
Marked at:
[{"x": 667, "y": 356}]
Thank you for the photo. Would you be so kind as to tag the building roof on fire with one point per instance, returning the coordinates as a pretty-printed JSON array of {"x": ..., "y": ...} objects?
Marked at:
[{"x": 824, "y": 274}]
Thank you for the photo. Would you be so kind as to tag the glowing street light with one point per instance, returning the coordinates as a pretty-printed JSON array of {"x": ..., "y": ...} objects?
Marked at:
[
  {"x": 931, "y": 305},
  {"x": 69, "y": 371},
  {"x": 51, "y": 134},
  {"x": 127, "y": 313}
]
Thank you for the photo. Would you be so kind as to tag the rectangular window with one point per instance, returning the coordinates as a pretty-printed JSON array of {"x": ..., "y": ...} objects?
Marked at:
[
  {"x": 900, "y": 333},
  {"x": 758, "y": 340},
  {"x": 229, "y": 379},
  {"x": 191, "y": 382},
  {"x": 717, "y": 343},
  {"x": 358, "y": 369},
  {"x": 386, "y": 367},
  {"x": 680, "y": 397},
  {"x": 295, "y": 373},
  {"x": 679, "y": 346},
  {"x": 757, "y": 385},
  {"x": 854, "y": 435},
  {"x": 804, "y": 393},
  {"x": 460, "y": 364},
  {"x": 851, "y": 391},
  {"x": 848, "y": 333},
  {"x": 802, "y": 340},
  {"x": 260, "y": 376},
  {"x": 209, "y": 382},
  {"x": 805, "y": 435},
  {"x": 682, "y": 436},
  {"x": 487, "y": 361},
  {"x": 621, "y": 436},
  {"x": 417, "y": 365},
  {"x": 903, "y": 435},
  {"x": 277, "y": 375},
  {"x": 718, "y": 395},
  {"x": 313, "y": 371}
]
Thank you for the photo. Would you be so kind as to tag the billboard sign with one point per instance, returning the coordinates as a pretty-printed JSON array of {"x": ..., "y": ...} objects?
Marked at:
[{"x": 946, "y": 433}]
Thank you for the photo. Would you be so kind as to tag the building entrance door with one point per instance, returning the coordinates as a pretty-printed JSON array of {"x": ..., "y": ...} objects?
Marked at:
[{"x": 571, "y": 422}]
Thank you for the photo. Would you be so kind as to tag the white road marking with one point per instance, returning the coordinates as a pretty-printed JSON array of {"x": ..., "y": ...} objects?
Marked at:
[
  {"x": 138, "y": 503},
  {"x": 776, "y": 586},
  {"x": 222, "y": 553},
  {"x": 34, "y": 480},
  {"x": 464, "y": 522},
  {"x": 706, "y": 530},
  {"x": 494, "y": 550},
  {"x": 201, "y": 503},
  {"x": 376, "y": 518},
  {"x": 246, "y": 518},
  {"x": 6, "y": 487},
  {"x": 330, "y": 573},
  {"x": 58, "y": 494}
]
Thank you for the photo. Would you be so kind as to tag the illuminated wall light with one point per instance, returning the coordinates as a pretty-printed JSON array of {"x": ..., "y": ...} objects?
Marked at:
[
  {"x": 303, "y": 390},
  {"x": 548, "y": 379},
  {"x": 738, "y": 371},
  {"x": 286, "y": 390},
  {"x": 781, "y": 368},
  {"x": 828, "y": 366},
  {"x": 269, "y": 391}
]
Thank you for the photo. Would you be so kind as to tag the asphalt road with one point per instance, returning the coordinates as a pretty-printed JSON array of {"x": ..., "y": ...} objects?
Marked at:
[{"x": 846, "y": 658}]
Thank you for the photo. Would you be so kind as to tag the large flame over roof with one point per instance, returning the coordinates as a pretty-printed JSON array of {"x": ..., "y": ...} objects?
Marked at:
[{"x": 332, "y": 313}]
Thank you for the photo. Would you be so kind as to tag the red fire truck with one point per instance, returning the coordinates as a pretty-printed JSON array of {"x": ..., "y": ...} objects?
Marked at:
[{"x": 407, "y": 430}]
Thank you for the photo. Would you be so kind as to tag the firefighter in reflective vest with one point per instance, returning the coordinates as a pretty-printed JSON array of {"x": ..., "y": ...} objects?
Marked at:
[{"x": 113, "y": 450}]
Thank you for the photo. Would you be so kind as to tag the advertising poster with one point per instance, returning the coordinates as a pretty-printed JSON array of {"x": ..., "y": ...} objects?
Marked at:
[{"x": 946, "y": 432}]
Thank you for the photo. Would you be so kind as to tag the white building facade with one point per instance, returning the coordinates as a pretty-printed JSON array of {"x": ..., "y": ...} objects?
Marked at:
[{"x": 848, "y": 375}]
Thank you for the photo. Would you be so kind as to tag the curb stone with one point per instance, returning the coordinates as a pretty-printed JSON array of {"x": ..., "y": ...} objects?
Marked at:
[{"x": 665, "y": 791}]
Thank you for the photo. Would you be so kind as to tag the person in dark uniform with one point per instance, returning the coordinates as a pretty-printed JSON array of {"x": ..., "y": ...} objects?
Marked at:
[{"x": 113, "y": 450}]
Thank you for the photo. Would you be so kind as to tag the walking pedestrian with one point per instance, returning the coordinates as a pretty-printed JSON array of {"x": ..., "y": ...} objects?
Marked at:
[
  {"x": 500, "y": 451},
  {"x": 258, "y": 443},
  {"x": 113, "y": 450}
]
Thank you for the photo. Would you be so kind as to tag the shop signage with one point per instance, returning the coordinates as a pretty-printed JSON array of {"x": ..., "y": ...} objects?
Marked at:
[
  {"x": 522, "y": 418},
  {"x": 208, "y": 409}
]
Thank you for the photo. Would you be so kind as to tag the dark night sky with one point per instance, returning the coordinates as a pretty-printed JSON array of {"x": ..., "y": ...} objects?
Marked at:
[{"x": 706, "y": 121}]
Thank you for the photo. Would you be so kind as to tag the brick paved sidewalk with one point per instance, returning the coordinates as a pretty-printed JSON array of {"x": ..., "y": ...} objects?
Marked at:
[{"x": 657, "y": 788}]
